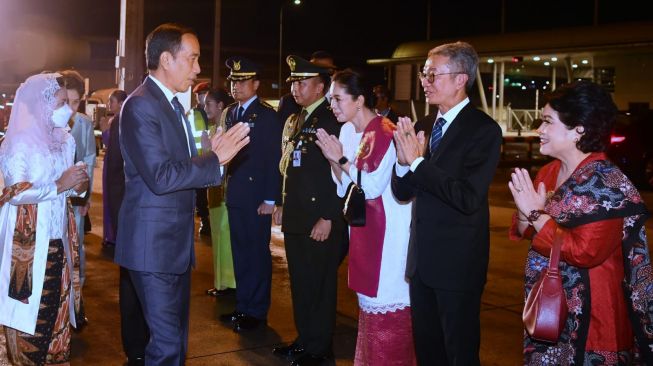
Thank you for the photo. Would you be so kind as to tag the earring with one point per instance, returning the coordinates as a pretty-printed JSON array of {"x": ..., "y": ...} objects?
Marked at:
[{"x": 576, "y": 140}]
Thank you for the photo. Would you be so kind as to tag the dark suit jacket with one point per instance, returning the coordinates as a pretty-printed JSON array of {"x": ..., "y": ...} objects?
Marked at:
[
  {"x": 310, "y": 191},
  {"x": 450, "y": 229},
  {"x": 253, "y": 175},
  {"x": 155, "y": 230},
  {"x": 114, "y": 170}
]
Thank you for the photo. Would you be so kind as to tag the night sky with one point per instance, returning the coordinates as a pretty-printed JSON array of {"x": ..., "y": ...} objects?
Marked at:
[{"x": 353, "y": 31}]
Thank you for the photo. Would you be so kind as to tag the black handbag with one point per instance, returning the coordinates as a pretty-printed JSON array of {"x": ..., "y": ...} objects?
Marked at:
[{"x": 354, "y": 209}]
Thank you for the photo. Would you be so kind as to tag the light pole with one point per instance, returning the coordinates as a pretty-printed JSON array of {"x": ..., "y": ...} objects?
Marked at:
[{"x": 295, "y": 2}]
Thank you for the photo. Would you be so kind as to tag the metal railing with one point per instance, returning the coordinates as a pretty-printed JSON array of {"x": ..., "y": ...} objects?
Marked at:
[{"x": 521, "y": 119}]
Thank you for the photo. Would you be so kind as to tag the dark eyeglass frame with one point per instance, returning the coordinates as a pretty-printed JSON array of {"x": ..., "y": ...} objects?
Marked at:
[{"x": 430, "y": 77}]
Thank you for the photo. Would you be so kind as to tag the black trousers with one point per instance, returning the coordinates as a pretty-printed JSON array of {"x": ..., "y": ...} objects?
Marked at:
[
  {"x": 446, "y": 325},
  {"x": 133, "y": 327},
  {"x": 313, "y": 269},
  {"x": 201, "y": 202},
  {"x": 250, "y": 248}
]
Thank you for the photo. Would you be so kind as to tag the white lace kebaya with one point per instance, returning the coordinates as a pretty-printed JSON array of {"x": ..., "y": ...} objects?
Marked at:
[{"x": 34, "y": 151}]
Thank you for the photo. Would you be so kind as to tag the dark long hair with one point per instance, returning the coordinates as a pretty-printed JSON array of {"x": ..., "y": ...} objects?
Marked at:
[{"x": 356, "y": 85}]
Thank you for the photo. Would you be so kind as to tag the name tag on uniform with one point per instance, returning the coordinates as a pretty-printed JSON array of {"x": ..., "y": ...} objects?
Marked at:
[{"x": 296, "y": 158}]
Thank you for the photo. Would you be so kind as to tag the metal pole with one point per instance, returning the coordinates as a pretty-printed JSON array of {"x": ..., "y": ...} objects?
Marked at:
[
  {"x": 494, "y": 91},
  {"x": 280, "y": 50},
  {"x": 537, "y": 102},
  {"x": 217, "y": 31},
  {"x": 428, "y": 20},
  {"x": 481, "y": 90},
  {"x": 553, "y": 78},
  {"x": 131, "y": 34},
  {"x": 502, "y": 75}
]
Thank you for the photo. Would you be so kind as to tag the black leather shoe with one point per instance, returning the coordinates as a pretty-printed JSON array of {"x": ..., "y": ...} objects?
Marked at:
[
  {"x": 225, "y": 292},
  {"x": 289, "y": 352},
  {"x": 247, "y": 322},
  {"x": 308, "y": 359},
  {"x": 231, "y": 317},
  {"x": 137, "y": 361}
]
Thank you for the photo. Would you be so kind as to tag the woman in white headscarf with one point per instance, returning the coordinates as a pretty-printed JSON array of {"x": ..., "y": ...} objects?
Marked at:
[{"x": 39, "y": 265}]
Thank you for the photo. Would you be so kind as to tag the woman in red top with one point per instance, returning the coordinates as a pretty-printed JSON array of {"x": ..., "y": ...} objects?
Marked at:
[{"x": 604, "y": 259}]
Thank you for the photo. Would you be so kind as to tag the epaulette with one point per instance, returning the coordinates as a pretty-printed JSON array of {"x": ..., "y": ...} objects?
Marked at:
[
  {"x": 231, "y": 105},
  {"x": 223, "y": 118},
  {"x": 265, "y": 104}
]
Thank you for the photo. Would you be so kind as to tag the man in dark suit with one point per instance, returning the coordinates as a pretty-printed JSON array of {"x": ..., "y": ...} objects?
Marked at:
[
  {"x": 448, "y": 172},
  {"x": 162, "y": 170},
  {"x": 311, "y": 217},
  {"x": 254, "y": 182},
  {"x": 383, "y": 105},
  {"x": 133, "y": 328}
]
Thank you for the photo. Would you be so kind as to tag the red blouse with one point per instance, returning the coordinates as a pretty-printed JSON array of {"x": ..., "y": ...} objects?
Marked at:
[{"x": 596, "y": 246}]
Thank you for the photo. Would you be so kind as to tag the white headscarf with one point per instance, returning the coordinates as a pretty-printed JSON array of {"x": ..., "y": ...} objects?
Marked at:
[{"x": 30, "y": 124}]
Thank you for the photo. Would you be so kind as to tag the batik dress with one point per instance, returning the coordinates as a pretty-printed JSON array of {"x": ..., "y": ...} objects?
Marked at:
[{"x": 605, "y": 267}]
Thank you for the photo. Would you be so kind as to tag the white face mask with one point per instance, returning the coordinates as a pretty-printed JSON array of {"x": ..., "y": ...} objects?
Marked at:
[{"x": 61, "y": 115}]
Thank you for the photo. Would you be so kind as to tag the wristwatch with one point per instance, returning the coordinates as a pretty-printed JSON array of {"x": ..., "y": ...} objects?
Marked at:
[
  {"x": 343, "y": 160},
  {"x": 534, "y": 215}
]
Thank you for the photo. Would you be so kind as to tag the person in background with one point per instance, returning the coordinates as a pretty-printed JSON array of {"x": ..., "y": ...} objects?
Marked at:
[
  {"x": 224, "y": 280},
  {"x": 253, "y": 183},
  {"x": 81, "y": 128},
  {"x": 449, "y": 175},
  {"x": 113, "y": 177},
  {"x": 383, "y": 106},
  {"x": 604, "y": 260},
  {"x": 199, "y": 122},
  {"x": 133, "y": 328},
  {"x": 377, "y": 251},
  {"x": 40, "y": 284}
]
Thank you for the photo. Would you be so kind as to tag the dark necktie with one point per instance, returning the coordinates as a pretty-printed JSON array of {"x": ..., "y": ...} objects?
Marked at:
[
  {"x": 436, "y": 134},
  {"x": 182, "y": 118},
  {"x": 301, "y": 118},
  {"x": 241, "y": 112}
]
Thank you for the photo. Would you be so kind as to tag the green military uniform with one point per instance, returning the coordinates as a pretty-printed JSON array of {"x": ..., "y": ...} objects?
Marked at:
[{"x": 308, "y": 195}]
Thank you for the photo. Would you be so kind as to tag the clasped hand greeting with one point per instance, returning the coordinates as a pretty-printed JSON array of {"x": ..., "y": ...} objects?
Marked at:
[
  {"x": 75, "y": 178},
  {"x": 409, "y": 145},
  {"x": 526, "y": 197},
  {"x": 227, "y": 144},
  {"x": 329, "y": 144}
]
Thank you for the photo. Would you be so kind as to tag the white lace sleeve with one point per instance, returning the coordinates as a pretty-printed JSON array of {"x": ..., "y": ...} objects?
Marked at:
[{"x": 21, "y": 168}]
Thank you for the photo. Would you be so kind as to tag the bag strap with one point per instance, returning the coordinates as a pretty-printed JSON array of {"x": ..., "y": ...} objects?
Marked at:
[
  {"x": 554, "y": 257},
  {"x": 358, "y": 179}
]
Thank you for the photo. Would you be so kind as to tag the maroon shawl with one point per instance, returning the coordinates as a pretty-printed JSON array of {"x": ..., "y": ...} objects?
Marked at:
[{"x": 366, "y": 242}]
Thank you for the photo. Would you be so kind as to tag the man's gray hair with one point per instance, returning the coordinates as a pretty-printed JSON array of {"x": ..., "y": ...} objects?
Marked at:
[{"x": 462, "y": 58}]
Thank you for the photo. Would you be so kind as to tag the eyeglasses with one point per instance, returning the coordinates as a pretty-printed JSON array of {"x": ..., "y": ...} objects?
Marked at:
[{"x": 430, "y": 77}]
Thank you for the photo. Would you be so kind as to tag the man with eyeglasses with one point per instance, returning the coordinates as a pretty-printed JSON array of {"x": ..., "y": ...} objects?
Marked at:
[{"x": 447, "y": 167}]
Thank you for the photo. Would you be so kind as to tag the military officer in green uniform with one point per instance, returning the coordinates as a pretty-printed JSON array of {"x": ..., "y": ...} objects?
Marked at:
[{"x": 311, "y": 216}]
